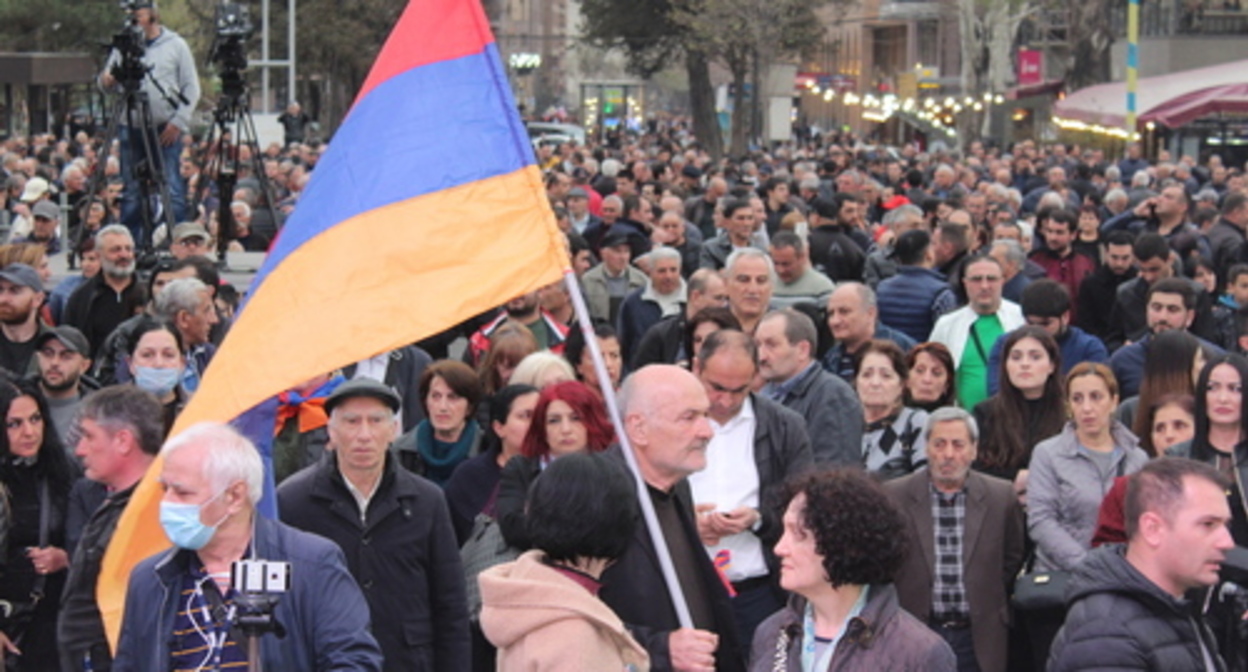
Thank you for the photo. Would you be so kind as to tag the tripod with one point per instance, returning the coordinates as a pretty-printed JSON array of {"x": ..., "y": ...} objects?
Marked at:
[
  {"x": 232, "y": 128},
  {"x": 147, "y": 169}
]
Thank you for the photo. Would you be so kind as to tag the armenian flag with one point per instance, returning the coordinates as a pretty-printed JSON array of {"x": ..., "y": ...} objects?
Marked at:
[{"x": 427, "y": 209}]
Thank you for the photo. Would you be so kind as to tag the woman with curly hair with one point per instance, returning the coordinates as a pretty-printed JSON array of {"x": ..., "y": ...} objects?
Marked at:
[
  {"x": 569, "y": 418},
  {"x": 842, "y": 543}
]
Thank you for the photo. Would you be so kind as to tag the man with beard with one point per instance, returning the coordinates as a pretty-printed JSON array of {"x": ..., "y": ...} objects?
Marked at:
[
  {"x": 21, "y": 294},
  {"x": 61, "y": 355},
  {"x": 113, "y": 295},
  {"x": 526, "y": 310}
]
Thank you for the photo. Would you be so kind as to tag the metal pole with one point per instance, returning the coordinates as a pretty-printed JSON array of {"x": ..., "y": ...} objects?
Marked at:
[
  {"x": 1133, "y": 62},
  {"x": 643, "y": 494},
  {"x": 290, "y": 53},
  {"x": 266, "y": 101}
]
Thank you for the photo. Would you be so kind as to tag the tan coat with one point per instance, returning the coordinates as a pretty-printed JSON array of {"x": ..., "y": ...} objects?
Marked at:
[{"x": 541, "y": 620}]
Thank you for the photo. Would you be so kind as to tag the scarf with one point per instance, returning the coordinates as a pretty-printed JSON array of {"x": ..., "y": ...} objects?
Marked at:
[{"x": 309, "y": 410}]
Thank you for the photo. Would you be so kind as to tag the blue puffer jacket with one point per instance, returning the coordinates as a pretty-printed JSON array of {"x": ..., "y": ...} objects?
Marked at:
[
  {"x": 913, "y": 300},
  {"x": 324, "y": 613}
]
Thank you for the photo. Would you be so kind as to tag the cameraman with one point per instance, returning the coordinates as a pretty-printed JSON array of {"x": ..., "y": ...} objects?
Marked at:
[
  {"x": 171, "y": 85},
  {"x": 180, "y": 604}
]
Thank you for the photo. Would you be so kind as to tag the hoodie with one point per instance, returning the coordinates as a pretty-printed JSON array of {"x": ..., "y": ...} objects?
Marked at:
[{"x": 542, "y": 620}]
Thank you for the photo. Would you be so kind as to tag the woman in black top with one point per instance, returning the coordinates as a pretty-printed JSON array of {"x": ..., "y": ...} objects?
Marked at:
[
  {"x": 1028, "y": 408},
  {"x": 37, "y": 474}
]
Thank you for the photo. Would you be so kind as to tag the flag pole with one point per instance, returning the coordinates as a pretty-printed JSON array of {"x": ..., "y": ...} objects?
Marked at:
[{"x": 643, "y": 495}]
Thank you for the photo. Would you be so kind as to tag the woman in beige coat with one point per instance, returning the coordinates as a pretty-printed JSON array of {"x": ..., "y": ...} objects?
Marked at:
[{"x": 542, "y": 611}]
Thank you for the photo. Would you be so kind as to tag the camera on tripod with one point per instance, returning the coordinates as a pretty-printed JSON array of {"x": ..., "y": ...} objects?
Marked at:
[
  {"x": 229, "y": 51},
  {"x": 130, "y": 45}
]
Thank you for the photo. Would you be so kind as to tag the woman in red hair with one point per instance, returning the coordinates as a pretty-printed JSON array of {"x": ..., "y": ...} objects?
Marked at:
[{"x": 569, "y": 418}]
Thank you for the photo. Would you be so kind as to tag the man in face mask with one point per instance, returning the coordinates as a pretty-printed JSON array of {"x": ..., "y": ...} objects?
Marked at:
[{"x": 179, "y": 603}]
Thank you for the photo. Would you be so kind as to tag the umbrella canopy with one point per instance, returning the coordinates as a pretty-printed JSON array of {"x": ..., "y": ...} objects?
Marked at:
[
  {"x": 1229, "y": 98},
  {"x": 1105, "y": 104}
]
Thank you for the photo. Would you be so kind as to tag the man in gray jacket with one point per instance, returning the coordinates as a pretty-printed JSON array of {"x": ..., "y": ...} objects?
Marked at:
[
  {"x": 171, "y": 86},
  {"x": 786, "y": 345}
]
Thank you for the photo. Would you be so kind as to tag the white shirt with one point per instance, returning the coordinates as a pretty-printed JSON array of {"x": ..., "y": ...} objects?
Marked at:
[{"x": 730, "y": 480}]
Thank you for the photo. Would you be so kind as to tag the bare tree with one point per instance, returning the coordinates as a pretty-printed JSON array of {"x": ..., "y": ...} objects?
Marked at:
[
  {"x": 988, "y": 30},
  {"x": 1090, "y": 36},
  {"x": 747, "y": 36}
]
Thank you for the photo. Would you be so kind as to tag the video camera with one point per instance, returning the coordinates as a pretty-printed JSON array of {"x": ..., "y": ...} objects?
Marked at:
[
  {"x": 130, "y": 45},
  {"x": 229, "y": 51}
]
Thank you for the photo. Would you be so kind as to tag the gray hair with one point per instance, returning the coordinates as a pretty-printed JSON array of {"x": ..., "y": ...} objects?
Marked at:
[
  {"x": 1116, "y": 194},
  {"x": 111, "y": 230},
  {"x": 810, "y": 183},
  {"x": 179, "y": 295},
  {"x": 900, "y": 213},
  {"x": 1013, "y": 251},
  {"x": 129, "y": 408},
  {"x": 745, "y": 253},
  {"x": 660, "y": 253},
  {"x": 1141, "y": 178},
  {"x": 952, "y": 414},
  {"x": 798, "y": 327},
  {"x": 1113, "y": 173},
  {"x": 232, "y": 457},
  {"x": 1051, "y": 199}
]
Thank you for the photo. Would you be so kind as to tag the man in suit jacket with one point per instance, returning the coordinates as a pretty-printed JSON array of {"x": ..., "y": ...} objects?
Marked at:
[
  {"x": 665, "y": 412},
  {"x": 968, "y": 529}
]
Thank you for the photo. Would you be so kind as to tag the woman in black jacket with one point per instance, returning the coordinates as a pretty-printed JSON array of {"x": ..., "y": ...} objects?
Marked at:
[{"x": 37, "y": 474}]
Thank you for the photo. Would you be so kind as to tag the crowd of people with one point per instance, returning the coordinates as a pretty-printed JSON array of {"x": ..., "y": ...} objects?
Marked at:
[{"x": 867, "y": 389}]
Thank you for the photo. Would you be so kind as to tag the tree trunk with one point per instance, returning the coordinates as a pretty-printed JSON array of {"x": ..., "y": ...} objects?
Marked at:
[
  {"x": 702, "y": 104},
  {"x": 1090, "y": 38}
]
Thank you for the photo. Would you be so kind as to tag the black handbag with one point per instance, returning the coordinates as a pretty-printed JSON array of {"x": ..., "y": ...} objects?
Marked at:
[{"x": 1037, "y": 591}]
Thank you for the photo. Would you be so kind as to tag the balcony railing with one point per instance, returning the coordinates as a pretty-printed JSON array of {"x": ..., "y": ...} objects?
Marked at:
[{"x": 1170, "y": 18}]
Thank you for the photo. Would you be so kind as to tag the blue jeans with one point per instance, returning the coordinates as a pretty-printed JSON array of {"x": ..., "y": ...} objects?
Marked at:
[{"x": 169, "y": 158}]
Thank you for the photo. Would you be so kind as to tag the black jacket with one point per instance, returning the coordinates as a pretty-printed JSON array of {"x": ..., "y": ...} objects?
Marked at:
[
  {"x": 405, "y": 559},
  {"x": 662, "y": 343},
  {"x": 635, "y": 590},
  {"x": 1097, "y": 294},
  {"x": 1119, "y": 620}
]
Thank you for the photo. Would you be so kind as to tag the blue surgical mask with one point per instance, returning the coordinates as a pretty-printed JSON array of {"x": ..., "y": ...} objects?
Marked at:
[
  {"x": 183, "y": 527},
  {"x": 159, "y": 382}
]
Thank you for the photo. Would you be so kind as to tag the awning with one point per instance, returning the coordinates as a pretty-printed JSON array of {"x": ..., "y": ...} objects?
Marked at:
[
  {"x": 1231, "y": 98},
  {"x": 1106, "y": 104}
]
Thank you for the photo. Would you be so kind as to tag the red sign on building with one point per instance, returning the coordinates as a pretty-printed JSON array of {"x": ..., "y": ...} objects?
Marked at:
[{"x": 1030, "y": 67}]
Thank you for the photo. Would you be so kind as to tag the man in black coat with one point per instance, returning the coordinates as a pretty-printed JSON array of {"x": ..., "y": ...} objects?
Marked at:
[
  {"x": 665, "y": 418},
  {"x": 394, "y": 528},
  {"x": 1127, "y": 605}
]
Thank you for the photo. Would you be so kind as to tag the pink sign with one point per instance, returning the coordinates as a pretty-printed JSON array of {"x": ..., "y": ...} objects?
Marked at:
[{"x": 1030, "y": 67}]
